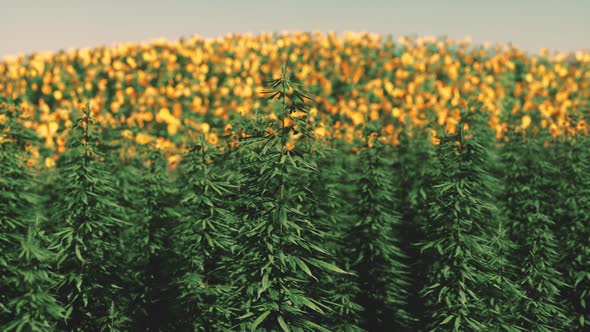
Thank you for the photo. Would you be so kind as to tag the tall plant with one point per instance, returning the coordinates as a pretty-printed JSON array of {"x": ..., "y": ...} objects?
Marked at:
[
  {"x": 374, "y": 240},
  {"x": 154, "y": 259},
  {"x": 570, "y": 203},
  {"x": 27, "y": 282},
  {"x": 526, "y": 180},
  {"x": 412, "y": 167},
  {"x": 279, "y": 247},
  {"x": 459, "y": 238},
  {"x": 331, "y": 190},
  {"x": 87, "y": 231},
  {"x": 204, "y": 237}
]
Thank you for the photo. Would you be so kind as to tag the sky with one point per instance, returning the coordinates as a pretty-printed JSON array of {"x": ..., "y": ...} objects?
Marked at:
[{"x": 51, "y": 25}]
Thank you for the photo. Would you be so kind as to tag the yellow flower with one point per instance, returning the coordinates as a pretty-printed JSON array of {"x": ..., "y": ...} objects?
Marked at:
[
  {"x": 42, "y": 130},
  {"x": 174, "y": 160},
  {"x": 227, "y": 129},
  {"x": 53, "y": 126},
  {"x": 57, "y": 95},
  {"x": 49, "y": 162},
  {"x": 172, "y": 128},
  {"x": 46, "y": 89},
  {"x": 163, "y": 115},
  {"x": 213, "y": 138},
  {"x": 526, "y": 122},
  {"x": 205, "y": 127},
  {"x": 148, "y": 116},
  {"x": 31, "y": 162},
  {"x": 435, "y": 140},
  {"x": 290, "y": 145},
  {"x": 374, "y": 115},
  {"x": 320, "y": 132},
  {"x": 143, "y": 138},
  {"x": 127, "y": 134},
  {"x": 357, "y": 118}
]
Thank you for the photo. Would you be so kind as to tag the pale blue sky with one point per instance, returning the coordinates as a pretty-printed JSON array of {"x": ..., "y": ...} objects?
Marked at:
[{"x": 28, "y": 25}]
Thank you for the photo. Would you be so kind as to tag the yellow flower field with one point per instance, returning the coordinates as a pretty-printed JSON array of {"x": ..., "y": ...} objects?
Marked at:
[{"x": 164, "y": 92}]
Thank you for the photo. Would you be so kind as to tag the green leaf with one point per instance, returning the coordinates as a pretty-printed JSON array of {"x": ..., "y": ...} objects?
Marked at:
[
  {"x": 303, "y": 266},
  {"x": 264, "y": 285},
  {"x": 308, "y": 303},
  {"x": 327, "y": 266},
  {"x": 283, "y": 324},
  {"x": 246, "y": 315},
  {"x": 457, "y": 323},
  {"x": 446, "y": 320},
  {"x": 78, "y": 254},
  {"x": 259, "y": 320},
  {"x": 283, "y": 216},
  {"x": 265, "y": 280}
]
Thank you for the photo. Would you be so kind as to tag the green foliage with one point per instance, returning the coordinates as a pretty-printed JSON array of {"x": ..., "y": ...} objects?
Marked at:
[
  {"x": 154, "y": 263},
  {"x": 27, "y": 283},
  {"x": 145, "y": 191},
  {"x": 331, "y": 191},
  {"x": 36, "y": 308},
  {"x": 280, "y": 259},
  {"x": 570, "y": 191},
  {"x": 462, "y": 224},
  {"x": 128, "y": 172},
  {"x": 526, "y": 182},
  {"x": 373, "y": 236},
  {"x": 87, "y": 232},
  {"x": 503, "y": 293},
  {"x": 204, "y": 238},
  {"x": 275, "y": 230},
  {"x": 411, "y": 172}
]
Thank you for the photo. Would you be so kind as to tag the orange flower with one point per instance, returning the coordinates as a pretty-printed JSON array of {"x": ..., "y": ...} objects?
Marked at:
[
  {"x": 174, "y": 160},
  {"x": 213, "y": 138},
  {"x": 320, "y": 132},
  {"x": 371, "y": 140},
  {"x": 227, "y": 129},
  {"x": 290, "y": 145}
]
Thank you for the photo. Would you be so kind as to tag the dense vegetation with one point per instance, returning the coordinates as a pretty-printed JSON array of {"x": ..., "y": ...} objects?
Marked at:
[{"x": 366, "y": 185}]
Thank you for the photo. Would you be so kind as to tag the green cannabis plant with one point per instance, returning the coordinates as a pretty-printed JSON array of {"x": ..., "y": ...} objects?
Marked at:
[
  {"x": 279, "y": 256},
  {"x": 87, "y": 231},
  {"x": 374, "y": 240},
  {"x": 204, "y": 238},
  {"x": 531, "y": 228},
  {"x": 27, "y": 281}
]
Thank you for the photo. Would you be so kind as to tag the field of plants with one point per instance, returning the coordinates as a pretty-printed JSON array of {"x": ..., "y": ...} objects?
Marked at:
[{"x": 295, "y": 182}]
